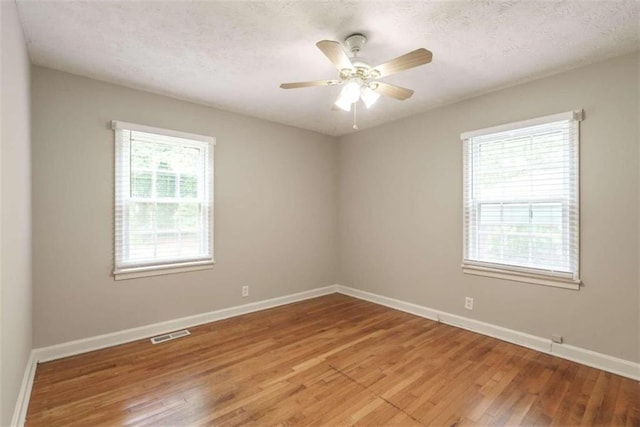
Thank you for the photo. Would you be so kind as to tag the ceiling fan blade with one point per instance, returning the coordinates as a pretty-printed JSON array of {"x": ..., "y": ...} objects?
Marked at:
[
  {"x": 393, "y": 91},
  {"x": 336, "y": 54},
  {"x": 409, "y": 60},
  {"x": 310, "y": 84}
]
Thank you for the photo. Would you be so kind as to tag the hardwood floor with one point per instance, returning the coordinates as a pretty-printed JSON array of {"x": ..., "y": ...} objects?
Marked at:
[{"x": 332, "y": 360}]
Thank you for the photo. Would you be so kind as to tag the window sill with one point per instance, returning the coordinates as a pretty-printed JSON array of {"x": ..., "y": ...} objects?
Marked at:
[
  {"x": 137, "y": 272},
  {"x": 555, "y": 282}
]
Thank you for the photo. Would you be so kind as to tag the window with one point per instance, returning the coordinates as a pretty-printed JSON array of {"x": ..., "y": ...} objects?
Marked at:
[
  {"x": 163, "y": 201},
  {"x": 521, "y": 208}
]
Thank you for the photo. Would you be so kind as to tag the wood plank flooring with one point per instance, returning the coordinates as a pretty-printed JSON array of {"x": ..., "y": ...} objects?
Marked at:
[{"x": 332, "y": 360}]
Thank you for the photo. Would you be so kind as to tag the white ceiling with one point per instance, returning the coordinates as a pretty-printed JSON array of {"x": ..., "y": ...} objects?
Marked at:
[{"x": 234, "y": 54}]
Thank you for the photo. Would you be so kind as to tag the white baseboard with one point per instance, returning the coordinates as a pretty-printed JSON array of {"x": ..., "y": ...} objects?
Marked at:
[
  {"x": 20, "y": 410},
  {"x": 576, "y": 354},
  {"x": 407, "y": 307},
  {"x": 594, "y": 359},
  {"x": 72, "y": 348}
]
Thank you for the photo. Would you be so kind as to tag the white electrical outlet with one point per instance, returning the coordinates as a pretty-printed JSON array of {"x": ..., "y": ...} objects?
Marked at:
[
  {"x": 468, "y": 303},
  {"x": 245, "y": 291}
]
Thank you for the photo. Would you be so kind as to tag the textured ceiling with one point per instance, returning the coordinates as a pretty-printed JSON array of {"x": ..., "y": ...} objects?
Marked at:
[{"x": 233, "y": 55}]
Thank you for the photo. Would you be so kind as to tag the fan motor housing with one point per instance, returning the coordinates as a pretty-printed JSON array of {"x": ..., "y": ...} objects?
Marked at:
[{"x": 355, "y": 42}]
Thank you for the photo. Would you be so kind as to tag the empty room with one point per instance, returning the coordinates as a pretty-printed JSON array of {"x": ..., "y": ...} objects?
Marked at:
[{"x": 403, "y": 213}]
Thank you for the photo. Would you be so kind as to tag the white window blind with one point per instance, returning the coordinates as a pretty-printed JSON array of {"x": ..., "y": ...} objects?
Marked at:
[
  {"x": 521, "y": 207},
  {"x": 163, "y": 199}
]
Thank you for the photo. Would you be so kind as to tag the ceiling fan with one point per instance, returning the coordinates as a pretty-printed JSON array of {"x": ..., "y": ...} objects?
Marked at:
[{"x": 359, "y": 77}]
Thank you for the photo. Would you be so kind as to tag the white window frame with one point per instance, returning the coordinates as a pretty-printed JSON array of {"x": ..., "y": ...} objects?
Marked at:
[
  {"x": 122, "y": 270},
  {"x": 513, "y": 272}
]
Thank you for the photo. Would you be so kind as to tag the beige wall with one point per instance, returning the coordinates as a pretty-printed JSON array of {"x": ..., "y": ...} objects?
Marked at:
[
  {"x": 400, "y": 211},
  {"x": 275, "y": 214},
  {"x": 15, "y": 212}
]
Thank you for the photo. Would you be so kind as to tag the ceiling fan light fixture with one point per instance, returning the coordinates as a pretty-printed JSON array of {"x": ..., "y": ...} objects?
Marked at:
[
  {"x": 343, "y": 104},
  {"x": 349, "y": 94},
  {"x": 369, "y": 97},
  {"x": 359, "y": 77},
  {"x": 351, "y": 91}
]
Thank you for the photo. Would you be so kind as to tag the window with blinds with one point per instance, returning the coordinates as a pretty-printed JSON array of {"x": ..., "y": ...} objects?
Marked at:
[
  {"x": 521, "y": 207},
  {"x": 163, "y": 201}
]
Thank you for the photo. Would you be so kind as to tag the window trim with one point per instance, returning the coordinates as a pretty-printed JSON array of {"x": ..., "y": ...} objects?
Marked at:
[
  {"x": 161, "y": 270},
  {"x": 577, "y": 115},
  {"x": 120, "y": 125},
  {"x": 512, "y": 272},
  {"x": 171, "y": 267}
]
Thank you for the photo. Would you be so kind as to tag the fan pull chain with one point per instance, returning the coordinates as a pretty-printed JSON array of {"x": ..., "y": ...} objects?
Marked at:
[{"x": 355, "y": 125}]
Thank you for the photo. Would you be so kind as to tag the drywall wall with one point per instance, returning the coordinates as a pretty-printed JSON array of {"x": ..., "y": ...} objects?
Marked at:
[
  {"x": 275, "y": 213},
  {"x": 400, "y": 210},
  {"x": 15, "y": 212}
]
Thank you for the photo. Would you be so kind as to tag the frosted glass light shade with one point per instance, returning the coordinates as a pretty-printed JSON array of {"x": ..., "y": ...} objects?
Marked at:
[
  {"x": 369, "y": 97},
  {"x": 343, "y": 104},
  {"x": 351, "y": 92}
]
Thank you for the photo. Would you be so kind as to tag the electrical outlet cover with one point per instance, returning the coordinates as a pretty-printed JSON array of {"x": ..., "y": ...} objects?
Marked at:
[{"x": 468, "y": 303}]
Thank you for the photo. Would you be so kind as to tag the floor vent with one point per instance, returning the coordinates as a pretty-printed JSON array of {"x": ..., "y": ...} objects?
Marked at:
[{"x": 171, "y": 336}]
